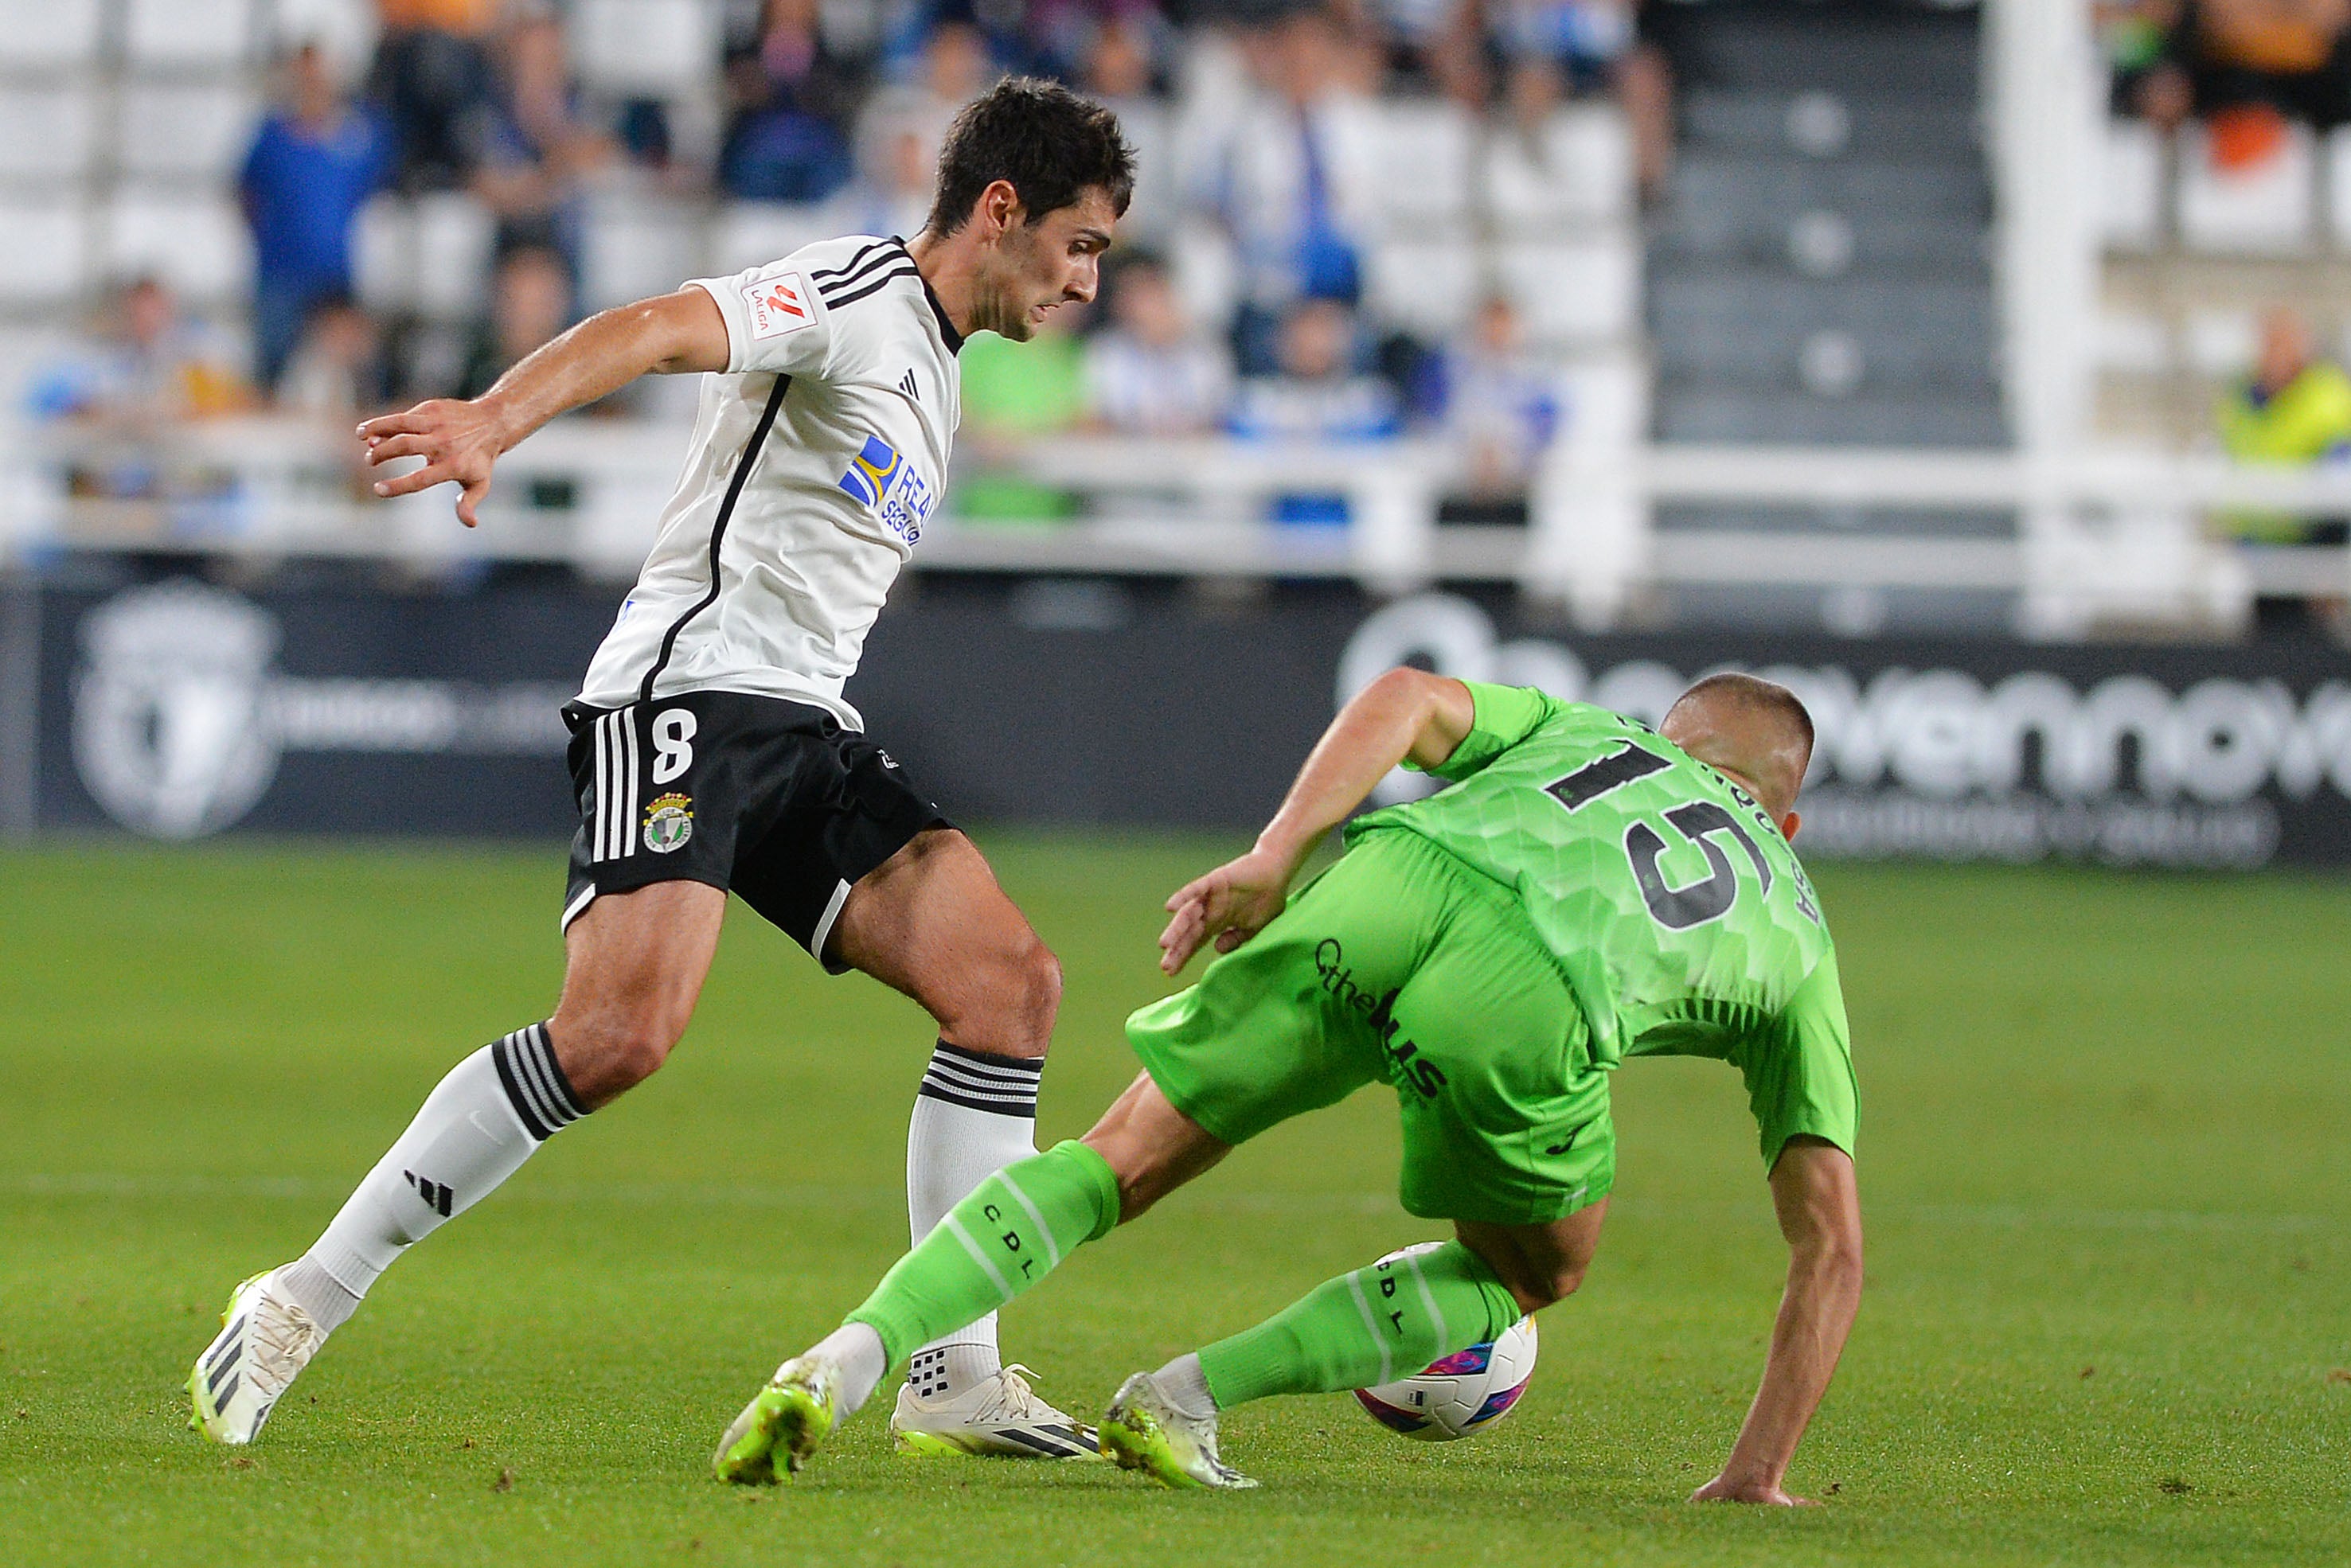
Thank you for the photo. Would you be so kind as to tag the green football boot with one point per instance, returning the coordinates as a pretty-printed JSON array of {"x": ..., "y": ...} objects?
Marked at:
[
  {"x": 1143, "y": 1430},
  {"x": 791, "y": 1416}
]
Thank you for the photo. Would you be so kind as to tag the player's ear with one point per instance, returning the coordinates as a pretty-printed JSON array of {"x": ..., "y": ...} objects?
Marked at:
[
  {"x": 1788, "y": 826},
  {"x": 1000, "y": 205}
]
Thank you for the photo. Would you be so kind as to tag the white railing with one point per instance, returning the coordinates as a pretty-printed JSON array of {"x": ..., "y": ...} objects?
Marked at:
[{"x": 2101, "y": 538}]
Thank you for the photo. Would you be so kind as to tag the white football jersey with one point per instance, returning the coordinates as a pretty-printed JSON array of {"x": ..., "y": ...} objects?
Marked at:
[{"x": 818, "y": 457}]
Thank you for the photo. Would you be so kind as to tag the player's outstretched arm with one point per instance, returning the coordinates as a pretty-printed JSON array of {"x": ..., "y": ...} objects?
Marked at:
[
  {"x": 461, "y": 440},
  {"x": 1404, "y": 713},
  {"x": 1820, "y": 1214}
]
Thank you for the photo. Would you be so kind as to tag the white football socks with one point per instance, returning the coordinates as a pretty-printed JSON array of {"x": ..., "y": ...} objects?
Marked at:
[
  {"x": 856, "y": 1349},
  {"x": 1187, "y": 1386},
  {"x": 975, "y": 1114},
  {"x": 475, "y": 1129}
]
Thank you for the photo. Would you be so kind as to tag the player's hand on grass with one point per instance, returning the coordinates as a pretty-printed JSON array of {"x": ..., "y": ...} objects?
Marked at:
[
  {"x": 1228, "y": 906},
  {"x": 459, "y": 441},
  {"x": 1722, "y": 1488}
]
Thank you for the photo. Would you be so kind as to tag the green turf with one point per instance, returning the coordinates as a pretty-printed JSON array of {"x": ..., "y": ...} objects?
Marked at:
[{"x": 2105, "y": 1165}]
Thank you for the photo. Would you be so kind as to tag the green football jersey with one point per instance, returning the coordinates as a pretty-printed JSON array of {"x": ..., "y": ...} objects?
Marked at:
[{"x": 1681, "y": 918}]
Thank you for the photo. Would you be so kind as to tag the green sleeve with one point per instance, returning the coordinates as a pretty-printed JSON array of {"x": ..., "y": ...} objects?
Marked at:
[
  {"x": 1505, "y": 716},
  {"x": 1798, "y": 1071}
]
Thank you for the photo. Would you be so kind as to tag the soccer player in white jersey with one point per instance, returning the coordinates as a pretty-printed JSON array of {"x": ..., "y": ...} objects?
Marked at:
[{"x": 712, "y": 748}]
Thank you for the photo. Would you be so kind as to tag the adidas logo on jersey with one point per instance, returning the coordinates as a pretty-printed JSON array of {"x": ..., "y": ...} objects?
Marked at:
[{"x": 907, "y": 385}]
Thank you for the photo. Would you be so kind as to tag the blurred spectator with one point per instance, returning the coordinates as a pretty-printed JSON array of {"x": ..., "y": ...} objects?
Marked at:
[
  {"x": 1291, "y": 181},
  {"x": 1429, "y": 44},
  {"x": 1501, "y": 408},
  {"x": 1148, "y": 374},
  {"x": 1014, "y": 394},
  {"x": 530, "y": 302},
  {"x": 894, "y": 198},
  {"x": 2293, "y": 410},
  {"x": 143, "y": 370},
  {"x": 1119, "y": 71},
  {"x": 2247, "y": 60},
  {"x": 1063, "y": 39},
  {"x": 339, "y": 373},
  {"x": 1320, "y": 394},
  {"x": 433, "y": 80},
  {"x": 1554, "y": 47},
  {"x": 312, "y": 165},
  {"x": 144, "y": 366},
  {"x": 2138, "y": 37},
  {"x": 955, "y": 69},
  {"x": 534, "y": 145},
  {"x": 793, "y": 102}
]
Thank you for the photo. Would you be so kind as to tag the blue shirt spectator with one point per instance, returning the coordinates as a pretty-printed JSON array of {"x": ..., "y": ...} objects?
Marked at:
[
  {"x": 794, "y": 102},
  {"x": 312, "y": 166},
  {"x": 1321, "y": 395}
]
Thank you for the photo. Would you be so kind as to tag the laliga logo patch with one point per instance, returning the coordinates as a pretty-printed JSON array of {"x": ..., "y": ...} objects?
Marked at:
[
  {"x": 778, "y": 305},
  {"x": 669, "y": 822},
  {"x": 872, "y": 471}
]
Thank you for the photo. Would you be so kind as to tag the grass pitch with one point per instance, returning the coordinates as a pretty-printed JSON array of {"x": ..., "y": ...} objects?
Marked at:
[{"x": 2104, "y": 1165}]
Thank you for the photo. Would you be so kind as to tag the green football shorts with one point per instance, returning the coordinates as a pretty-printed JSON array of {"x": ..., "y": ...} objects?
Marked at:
[{"x": 1401, "y": 963}]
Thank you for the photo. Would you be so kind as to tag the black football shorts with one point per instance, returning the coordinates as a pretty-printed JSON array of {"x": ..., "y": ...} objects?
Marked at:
[{"x": 770, "y": 798}]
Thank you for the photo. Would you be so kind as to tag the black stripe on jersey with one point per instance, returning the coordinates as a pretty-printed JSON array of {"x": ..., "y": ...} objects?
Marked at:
[
  {"x": 717, "y": 536},
  {"x": 851, "y": 265},
  {"x": 836, "y": 301},
  {"x": 852, "y": 274}
]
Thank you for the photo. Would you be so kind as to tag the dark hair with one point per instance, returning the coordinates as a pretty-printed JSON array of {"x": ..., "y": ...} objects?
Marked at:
[{"x": 1050, "y": 143}]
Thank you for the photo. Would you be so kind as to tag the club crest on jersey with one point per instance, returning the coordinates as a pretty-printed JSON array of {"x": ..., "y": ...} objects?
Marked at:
[
  {"x": 669, "y": 822},
  {"x": 778, "y": 305}
]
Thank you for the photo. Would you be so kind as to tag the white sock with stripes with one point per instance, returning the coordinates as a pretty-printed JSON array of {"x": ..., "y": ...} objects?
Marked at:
[
  {"x": 975, "y": 1114},
  {"x": 477, "y": 1126}
]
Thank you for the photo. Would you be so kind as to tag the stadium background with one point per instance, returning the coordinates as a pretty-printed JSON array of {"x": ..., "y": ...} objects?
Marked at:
[{"x": 1972, "y": 366}]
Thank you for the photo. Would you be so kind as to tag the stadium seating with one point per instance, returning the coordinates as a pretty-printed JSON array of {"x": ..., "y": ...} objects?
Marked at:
[
  {"x": 2269, "y": 208},
  {"x": 1820, "y": 275},
  {"x": 195, "y": 240},
  {"x": 48, "y": 134},
  {"x": 42, "y": 263},
  {"x": 176, "y": 130},
  {"x": 644, "y": 48},
  {"x": 50, "y": 34},
  {"x": 188, "y": 33}
]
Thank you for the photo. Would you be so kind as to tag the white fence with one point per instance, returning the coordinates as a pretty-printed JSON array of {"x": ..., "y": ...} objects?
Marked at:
[{"x": 2101, "y": 540}]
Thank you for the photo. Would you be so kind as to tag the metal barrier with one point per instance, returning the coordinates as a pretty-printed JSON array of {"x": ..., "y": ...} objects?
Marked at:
[{"x": 2101, "y": 538}]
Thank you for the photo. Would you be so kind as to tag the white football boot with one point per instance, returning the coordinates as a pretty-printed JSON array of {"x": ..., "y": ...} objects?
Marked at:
[
  {"x": 264, "y": 1339},
  {"x": 1143, "y": 1430},
  {"x": 999, "y": 1416}
]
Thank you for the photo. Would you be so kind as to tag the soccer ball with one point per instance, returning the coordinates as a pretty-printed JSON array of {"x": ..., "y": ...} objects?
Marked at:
[{"x": 1460, "y": 1395}]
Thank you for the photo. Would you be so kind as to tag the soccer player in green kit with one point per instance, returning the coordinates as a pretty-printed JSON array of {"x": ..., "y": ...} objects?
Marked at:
[{"x": 1587, "y": 890}]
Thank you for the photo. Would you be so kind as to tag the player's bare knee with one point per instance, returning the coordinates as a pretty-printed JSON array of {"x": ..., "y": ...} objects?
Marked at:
[
  {"x": 1039, "y": 992},
  {"x": 1012, "y": 1013},
  {"x": 604, "y": 1058}
]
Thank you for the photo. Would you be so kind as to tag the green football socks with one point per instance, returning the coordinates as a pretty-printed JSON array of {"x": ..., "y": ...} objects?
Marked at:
[
  {"x": 1371, "y": 1326},
  {"x": 1009, "y": 1233}
]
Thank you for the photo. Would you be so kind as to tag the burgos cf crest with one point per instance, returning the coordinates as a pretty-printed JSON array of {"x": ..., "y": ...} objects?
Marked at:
[
  {"x": 872, "y": 471},
  {"x": 669, "y": 822}
]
